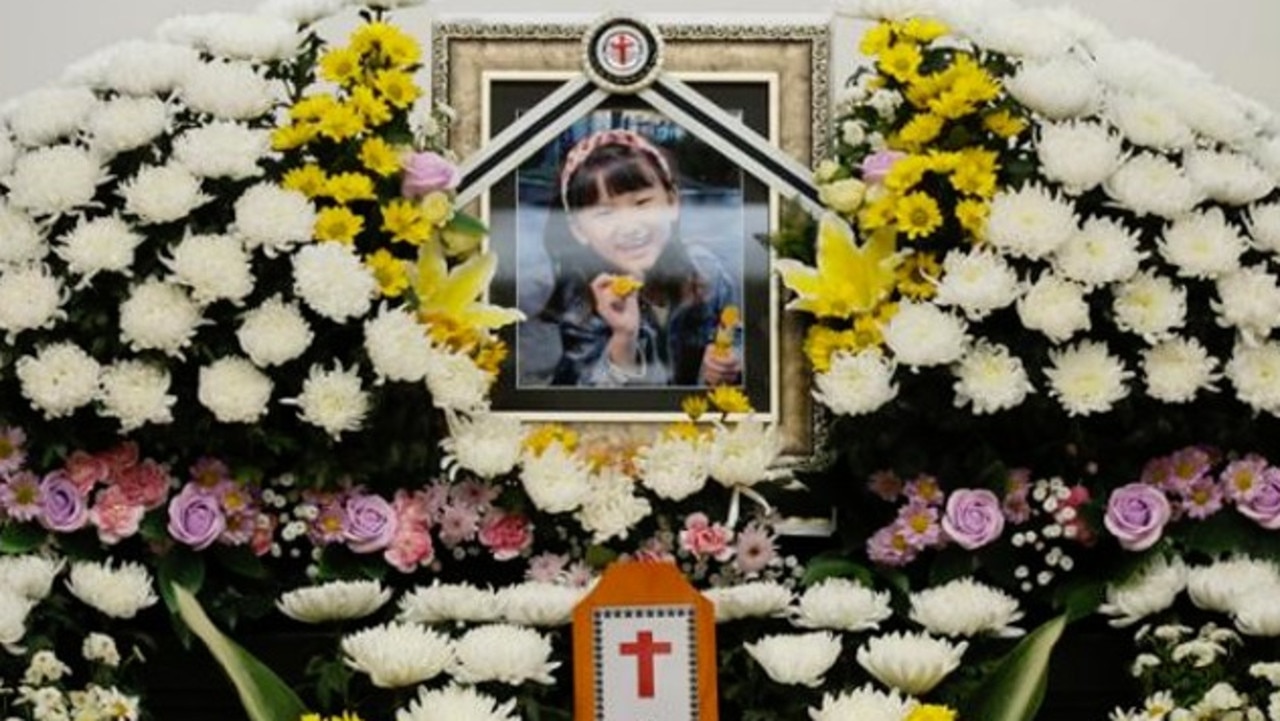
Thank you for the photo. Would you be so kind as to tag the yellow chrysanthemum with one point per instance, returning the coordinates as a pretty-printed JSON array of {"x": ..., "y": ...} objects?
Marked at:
[
  {"x": 313, "y": 107},
  {"x": 923, "y": 88},
  {"x": 878, "y": 214},
  {"x": 289, "y": 137},
  {"x": 402, "y": 51},
  {"x": 931, "y": 712},
  {"x": 341, "y": 122},
  {"x": 379, "y": 157},
  {"x": 391, "y": 272},
  {"x": 695, "y": 407},
  {"x": 942, "y": 162},
  {"x": 338, "y": 224},
  {"x": 437, "y": 208},
  {"x": 868, "y": 330},
  {"x": 684, "y": 431},
  {"x": 350, "y": 187},
  {"x": 729, "y": 399},
  {"x": 368, "y": 38},
  {"x": 453, "y": 333},
  {"x": 624, "y": 285},
  {"x": 924, "y": 29},
  {"x": 822, "y": 343},
  {"x": 918, "y": 276},
  {"x": 372, "y": 108},
  {"x": 907, "y": 173},
  {"x": 877, "y": 39},
  {"x": 975, "y": 173},
  {"x": 403, "y": 220},
  {"x": 490, "y": 355},
  {"x": 397, "y": 88},
  {"x": 309, "y": 180},
  {"x": 918, "y": 215},
  {"x": 540, "y": 440},
  {"x": 952, "y": 105},
  {"x": 1004, "y": 123},
  {"x": 972, "y": 215},
  {"x": 900, "y": 61},
  {"x": 919, "y": 131},
  {"x": 341, "y": 66}
]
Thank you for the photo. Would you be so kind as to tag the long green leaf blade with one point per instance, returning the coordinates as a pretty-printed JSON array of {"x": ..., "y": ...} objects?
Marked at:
[{"x": 1016, "y": 688}]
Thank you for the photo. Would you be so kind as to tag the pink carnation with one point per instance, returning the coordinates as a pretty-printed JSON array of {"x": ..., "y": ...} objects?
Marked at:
[
  {"x": 86, "y": 471},
  {"x": 411, "y": 546},
  {"x": 146, "y": 484},
  {"x": 703, "y": 538},
  {"x": 506, "y": 535},
  {"x": 114, "y": 515}
]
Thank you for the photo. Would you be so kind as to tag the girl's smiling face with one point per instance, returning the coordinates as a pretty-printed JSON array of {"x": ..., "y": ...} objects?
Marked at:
[{"x": 630, "y": 229}]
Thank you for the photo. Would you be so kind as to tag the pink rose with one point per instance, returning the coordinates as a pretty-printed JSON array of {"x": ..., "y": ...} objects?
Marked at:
[
  {"x": 974, "y": 518},
  {"x": 703, "y": 538},
  {"x": 506, "y": 535},
  {"x": 1136, "y": 515},
  {"x": 876, "y": 167},
  {"x": 411, "y": 547},
  {"x": 426, "y": 173},
  {"x": 115, "y": 517}
]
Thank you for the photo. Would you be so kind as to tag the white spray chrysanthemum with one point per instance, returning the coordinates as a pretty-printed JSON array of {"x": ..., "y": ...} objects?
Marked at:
[
  {"x": 486, "y": 444},
  {"x": 922, "y": 335},
  {"x": 234, "y": 390},
  {"x": 1151, "y": 590},
  {"x": 841, "y": 604},
  {"x": 222, "y": 150},
  {"x": 1176, "y": 370},
  {"x": 59, "y": 379},
  {"x": 1264, "y": 227},
  {"x": 673, "y": 466},
  {"x": 274, "y": 333},
  {"x": 977, "y": 282},
  {"x": 21, "y": 241},
  {"x": 758, "y": 599},
  {"x": 965, "y": 607},
  {"x": 54, "y": 180},
  {"x": 503, "y": 653},
  {"x": 136, "y": 393},
  {"x": 103, "y": 245},
  {"x": 857, "y": 383},
  {"x": 990, "y": 378},
  {"x": 1203, "y": 245},
  {"x": 31, "y": 298},
  {"x": 259, "y": 38},
  {"x": 100, "y": 648},
  {"x": 449, "y": 603},
  {"x": 228, "y": 90},
  {"x": 333, "y": 601},
  {"x": 14, "y": 610},
  {"x": 1150, "y": 306},
  {"x": 273, "y": 219},
  {"x": 333, "y": 400},
  {"x": 1255, "y": 373},
  {"x": 1059, "y": 89},
  {"x": 1055, "y": 307},
  {"x": 397, "y": 655},
  {"x": 214, "y": 267},
  {"x": 796, "y": 659},
  {"x": 397, "y": 345},
  {"x": 1249, "y": 300},
  {"x": 118, "y": 591},
  {"x": 159, "y": 316},
  {"x": 457, "y": 703},
  {"x": 912, "y": 663},
  {"x": 611, "y": 507},
  {"x": 556, "y": 480},
  {"x": 29, "y": 576},
  {"x": 125, "y": 124},
  {"x": 48, "y": 115},
  {"x": 162, "y": 194},
  {"x": 1103, "y": 251},
  {"x": 1229, "y": 178},
  {"x": 1086, "y": 378},
  {"x": 1079, "y": 155},
  {"x": 456, "y": 382},
  {"x": 1146, "y": 121},
  {"x": 1030, "y": 222},
  {"x": 332, "y": 281},
  {"x": 1149, "y": 184}
]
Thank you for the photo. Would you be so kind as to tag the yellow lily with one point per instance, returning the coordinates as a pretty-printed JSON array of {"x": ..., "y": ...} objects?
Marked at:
[
  {"x": 454, "y": 296},
  {"x": 849, "y": 279}
]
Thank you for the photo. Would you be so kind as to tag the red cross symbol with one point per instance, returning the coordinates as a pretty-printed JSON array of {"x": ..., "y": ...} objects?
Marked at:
[
  {"x": 644, "y": 649},
  {"x": 620, "y": 46}
]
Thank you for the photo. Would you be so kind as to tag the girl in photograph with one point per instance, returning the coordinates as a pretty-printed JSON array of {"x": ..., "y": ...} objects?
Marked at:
[{"x": 634, "y": 304}]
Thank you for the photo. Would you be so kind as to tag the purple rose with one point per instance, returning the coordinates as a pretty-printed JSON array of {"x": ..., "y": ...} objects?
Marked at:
[
  {"x": 974, "y": 518},
  {"x": 427, "y": 172},
  {"x": 63, "y": 508},
  {"x": 368, "y": 523},
  {"x": 1262, "y": 502},
  {"x": 1136, "y": 515},
  {"x": 196, "y": 517},
  {"x": 876, "y": 167}
]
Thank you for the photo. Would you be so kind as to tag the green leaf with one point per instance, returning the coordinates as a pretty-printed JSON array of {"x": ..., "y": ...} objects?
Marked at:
[
  {"x": 599, "y": 556},
  {"x": 21, "y": 538},
  {"x": 468, "y": 224},
  {"x": 823, "y": 567},
  {"x": 264, "y": 695},
  {"x": 1015, "y": 689},
  {"x": 240, "y": 560}
]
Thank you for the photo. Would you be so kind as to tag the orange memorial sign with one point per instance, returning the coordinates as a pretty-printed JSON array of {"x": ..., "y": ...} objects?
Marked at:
[{"x": 644, "y": 648}]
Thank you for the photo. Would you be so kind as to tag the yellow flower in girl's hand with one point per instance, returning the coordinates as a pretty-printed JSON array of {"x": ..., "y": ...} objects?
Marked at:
[
  {"x": 624, "y": 285},
  {"x": 850, "y": 278},
  {"x": 730, "y": 319}
]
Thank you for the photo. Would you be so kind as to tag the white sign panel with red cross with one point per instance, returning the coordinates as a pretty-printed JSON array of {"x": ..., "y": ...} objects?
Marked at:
[{"x": 646, "y": 664}]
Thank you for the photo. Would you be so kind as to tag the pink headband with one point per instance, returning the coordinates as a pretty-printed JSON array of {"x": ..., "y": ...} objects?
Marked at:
[{"x": 588, "y": 145}]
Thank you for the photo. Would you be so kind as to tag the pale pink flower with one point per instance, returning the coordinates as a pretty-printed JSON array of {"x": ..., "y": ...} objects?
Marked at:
[
  {"x": 889, "y": 546},
  {"x": 264, "y": 531},
  {"x": 13, "y": 452},
  {"x": 115, "y": 516},
  {"x": 87, "y": 470},
  {"x": 506, "y": 535},
  {"x": 704, "y": 539},
  {"x": 546, "y": 568},
  {"x": 474, "y": 494},
  {"x": 755, "y": 549},
  {"x": 886, "y": 484},
  {"x": 20, "y": 496},
  {"x": 925, "y": 489},
  {"x": 458, "y": 524}
]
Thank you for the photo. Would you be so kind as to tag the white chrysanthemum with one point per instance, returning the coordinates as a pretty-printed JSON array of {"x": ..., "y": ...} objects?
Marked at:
[
  {"x": 796, "y": 659},
  {"x": 1085, "y": 29},
  {"x": 30, "y": 299},
  {"x": 1255, "y": 373},
  {"x": 1150, "y": 591},
  {"x": 138, "y": 67},
  {"x": 1149, "y": 184},
  {"x": 857, "y": 383},
  {"x": 20, "y": 239},
  {"x": 236, "y": 36},
  {"x": 1055, "y": 307},
  {"x": 1213, "y": 111},
  {"x": 234, "y": 390},
  {"x": 1222, "y": 585},
  {"x": 230, "y": 91},
  {"x": 1258, "y": 615},
  {"x": 301, "y": 12},
  {"x": 449, "y": 603},
  {"x": 863, "y": 704},
  {"x": 1264, "y": 150},
  {"x": 487, "y": 444},
  {"x": 136, "y": 393},
  {"x": 540, "y": 604},
  {"x": 456, "y": 382},
  {"x": 13, "y": 619},
  {"x": 457, "y": 703},
  {"x": 58, "y": 379},
  {"x": 742, "y": 454},
  {"x": 1263, "y": 224},
  {"x": 332, "y": 281},
  {"x": 1087, "y": 379},
  {"x": 222, "y": 150},
  {"x": 334, "y": 601},
  {"x": 611, "y": 508},
  {"x": 396, "y": 655},
  {"x": 162, "y": 194},
  {"x": 840, "y": 604},
  {"x": 1059, "y": 89},
  {"x": 392, "y": 4},
  {"x": 1078, "y": 155},
  {"x": 8, "y": 153},
  {"x": 758, "y": 599},
  {"x": 922, "y": 334},
  {"x": 965, "y": 607},
  {"x": 100, "y": 648},
  {"x": 1150, "y": 305},
  {"x": 1030, "y": 222},
  {"x": 1024, "y": 33},
  {"x": 977, "y": 282},
  {"x": 54, "y": 180},
  {"x": 505, "y": 654},
  {"x": 126, "y": 124},
  {"x": 274, "y": 333},
  {"x": 398, "y": 346},
  {"x": 159, "y": 316},
  {"x": 47, "y": 115},
  {"x": 673, "y": 467},
  {"x": 333, "y": 400},
  {"x": 1228, "y": 178},
  {"x": 274, "y": 219},
  {"x": 1178, "y": 369},
  {"x": 29, "y": 576},
  {"x": 104, "y": 245},
  {"x": 991, "y": 379},
  {"x": 1203, "y": 245},
  {"x": 119, "y": 592},
  {"x": 1138, "y": 66},
  {"x": 912, "y": 663},
  {"x": 555, "y": 480},
  {"x": 1250, "y": 301},
  {"x": 1149, "y": 122},
  {"x": 215, "y": 267},
  {"x": 1103, "y": 251}
]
